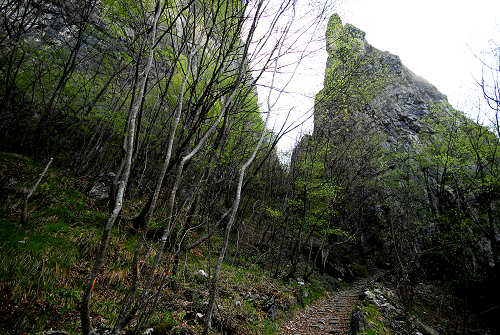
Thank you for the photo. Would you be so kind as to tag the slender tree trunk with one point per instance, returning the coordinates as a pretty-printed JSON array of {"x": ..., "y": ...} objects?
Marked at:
[
  {"x": 122, "y": 184},
  {"x": 154, "y": 198},
  {"x": 24, "y": 217},
  {"x": 234, "y": 210}
]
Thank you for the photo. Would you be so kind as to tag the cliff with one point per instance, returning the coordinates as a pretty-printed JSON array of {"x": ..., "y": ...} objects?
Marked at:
[{"x": 360, "y": 79}]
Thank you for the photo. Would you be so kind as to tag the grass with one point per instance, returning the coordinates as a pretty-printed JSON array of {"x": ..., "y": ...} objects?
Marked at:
[
  {"x": 374, "y": 318},
  {"x": 44, "y": 265}
]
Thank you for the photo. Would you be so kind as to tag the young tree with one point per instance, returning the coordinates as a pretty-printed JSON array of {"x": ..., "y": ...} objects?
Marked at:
[{"x": 122, "y": 175}]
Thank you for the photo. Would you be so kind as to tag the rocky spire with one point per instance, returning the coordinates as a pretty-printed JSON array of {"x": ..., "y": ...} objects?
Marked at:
[{"x": 360, "y": 78}]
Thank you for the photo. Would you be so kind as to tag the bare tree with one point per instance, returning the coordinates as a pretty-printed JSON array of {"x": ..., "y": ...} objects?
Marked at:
[
  {"x": 122, "y": 176},
  {"x": 490, "y": 86}
]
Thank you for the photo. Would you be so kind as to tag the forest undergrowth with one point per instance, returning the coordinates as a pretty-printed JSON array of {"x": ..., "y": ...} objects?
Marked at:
[{"x": 44, "y": 264}]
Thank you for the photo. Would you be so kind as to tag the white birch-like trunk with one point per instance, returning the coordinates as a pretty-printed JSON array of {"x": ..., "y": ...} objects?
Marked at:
[{"x": 122, "y": 184}]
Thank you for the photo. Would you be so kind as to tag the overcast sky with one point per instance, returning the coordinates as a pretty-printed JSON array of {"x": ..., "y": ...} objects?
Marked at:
[{"x": 436, "y": 39}]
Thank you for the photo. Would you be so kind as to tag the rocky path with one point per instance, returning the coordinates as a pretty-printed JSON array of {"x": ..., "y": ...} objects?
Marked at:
[{"x": 329, "y": 315}]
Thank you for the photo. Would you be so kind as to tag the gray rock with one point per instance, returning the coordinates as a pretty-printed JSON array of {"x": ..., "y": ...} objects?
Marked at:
[
  {"x": 202, "y": 274},
  {"x": 272, "y": 312},
  {"x": 100, "y": 191},
  {"x": 254, "y": 297},
  {"x": 370, "y": 296},
  {"x": 388, "y": 306},
  {"x": 400, "y": 101},
  {"x": 358, "y": 321},
  {"x": 426, "y": 330}
]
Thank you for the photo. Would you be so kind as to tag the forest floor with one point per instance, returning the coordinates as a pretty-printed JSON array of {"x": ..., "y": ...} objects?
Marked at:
[{"x": 45, "y": 262}]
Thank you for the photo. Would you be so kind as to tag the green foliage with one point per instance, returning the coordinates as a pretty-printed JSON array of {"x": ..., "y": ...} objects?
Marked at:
[
  {"x": 374, "y": 318},
  {"x": 447, "y": 182},
  {"x": 317, "y": 195},
  {"x": 71, "y": 99},
  {"x": 63, "y": 234},
  {"x": 273, "y": 213},
  {"x": 354, "y": 75},
  {"x": 165, "y": 323}
]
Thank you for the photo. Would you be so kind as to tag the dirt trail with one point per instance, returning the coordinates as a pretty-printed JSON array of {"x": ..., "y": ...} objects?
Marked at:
[{"x": 329, "y": 315}]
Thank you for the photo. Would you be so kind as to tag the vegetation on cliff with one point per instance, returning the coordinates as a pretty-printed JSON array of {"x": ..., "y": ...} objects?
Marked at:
[{"x": 418, "y": 180}]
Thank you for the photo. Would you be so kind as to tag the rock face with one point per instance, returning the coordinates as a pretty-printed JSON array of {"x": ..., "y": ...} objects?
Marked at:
[
  {"x": 361, "y": 78},
  {"x": 370, "y": 104}
]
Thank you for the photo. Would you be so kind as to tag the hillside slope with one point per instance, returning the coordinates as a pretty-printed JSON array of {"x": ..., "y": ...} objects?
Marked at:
[{"x": 45, "y": 262}]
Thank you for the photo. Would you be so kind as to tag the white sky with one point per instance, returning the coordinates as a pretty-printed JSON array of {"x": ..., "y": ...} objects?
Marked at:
[{"x": 436, "y": 39}]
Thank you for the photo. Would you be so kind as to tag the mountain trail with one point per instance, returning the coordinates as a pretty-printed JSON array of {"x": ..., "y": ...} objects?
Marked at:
[{"x": 329, "y": 315}]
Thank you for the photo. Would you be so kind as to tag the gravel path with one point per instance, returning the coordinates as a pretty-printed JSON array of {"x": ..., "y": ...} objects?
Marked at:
[{"x": 329, "y": 315}]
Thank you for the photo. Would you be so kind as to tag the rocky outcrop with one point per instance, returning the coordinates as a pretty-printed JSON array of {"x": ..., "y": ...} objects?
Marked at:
[
  {"x": 362, "y": 79},
  {"x": 370, "y": 104}
]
